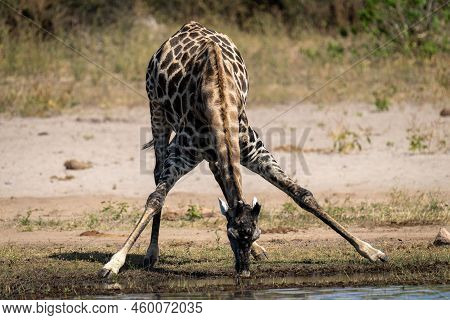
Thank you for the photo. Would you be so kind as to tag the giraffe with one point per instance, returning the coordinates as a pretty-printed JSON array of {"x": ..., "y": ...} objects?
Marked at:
[{"x": 197, "y": 84}]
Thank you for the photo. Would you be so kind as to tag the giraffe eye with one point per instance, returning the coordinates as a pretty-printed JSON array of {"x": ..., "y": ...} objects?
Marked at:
[{"x": 233, "y": 233}]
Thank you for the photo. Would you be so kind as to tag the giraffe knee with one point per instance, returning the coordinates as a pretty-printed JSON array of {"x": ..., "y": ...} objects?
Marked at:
[
  {"x": 155, "y": 200},
  {"x": 305, "y": 199}
]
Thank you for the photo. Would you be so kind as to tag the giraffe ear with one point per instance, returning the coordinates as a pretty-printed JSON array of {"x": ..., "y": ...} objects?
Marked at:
[
  {"x": 223, "y": 207},
  {"x": 256, "y": 207}
]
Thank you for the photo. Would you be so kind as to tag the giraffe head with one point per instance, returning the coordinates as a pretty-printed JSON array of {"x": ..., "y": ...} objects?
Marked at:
[{"x": 242, "y": 231}]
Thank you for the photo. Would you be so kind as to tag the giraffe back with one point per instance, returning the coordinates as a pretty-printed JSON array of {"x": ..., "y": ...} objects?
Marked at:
[{"x": 175, "y": 73}]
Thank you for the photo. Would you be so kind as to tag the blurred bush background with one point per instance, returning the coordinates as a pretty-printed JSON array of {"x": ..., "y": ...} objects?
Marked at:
[{"x": 290, "y": 48}]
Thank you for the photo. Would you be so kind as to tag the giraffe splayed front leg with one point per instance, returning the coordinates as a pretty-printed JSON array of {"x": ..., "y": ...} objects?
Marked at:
[
  {"x": 259, "y": 160},
  {"x": 154, "y": 204},
  {"x": 179, "y": 161}
]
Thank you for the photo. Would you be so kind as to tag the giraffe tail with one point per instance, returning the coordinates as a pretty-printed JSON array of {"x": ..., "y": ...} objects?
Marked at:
[{"x": 220, "y": 100}]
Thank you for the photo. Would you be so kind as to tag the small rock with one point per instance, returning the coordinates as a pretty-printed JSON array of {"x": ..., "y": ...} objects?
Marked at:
[
  {"x": 442, "y": 238},
  {"x": 77, "y": 165},
  {"x": 445, "y": 112},
  {"x": 43, "y": 133}
]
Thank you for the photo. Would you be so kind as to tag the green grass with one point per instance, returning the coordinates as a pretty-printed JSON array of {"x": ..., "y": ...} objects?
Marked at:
[
  {"x": 424, "y": 138},
  {"x": 30, "y": 271},
  {"x": 400, "y": 209},
  {"x": 24, "y": 222},
  {"x": 114, "y": 215}
]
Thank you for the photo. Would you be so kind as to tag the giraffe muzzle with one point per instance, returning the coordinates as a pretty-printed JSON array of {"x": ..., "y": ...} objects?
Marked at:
[{"x": 242, "y": 256}]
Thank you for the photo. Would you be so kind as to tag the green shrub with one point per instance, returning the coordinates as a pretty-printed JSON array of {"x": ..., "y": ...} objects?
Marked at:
[
  {"x": 345, "y": 141},
  {"x": 409, "y": 22},
  {"x": 382, "y": 104},
  {"x": 418, "y": 142},
  {"x": 193, "y": 213},
  {"x": 335, "y": 50}
]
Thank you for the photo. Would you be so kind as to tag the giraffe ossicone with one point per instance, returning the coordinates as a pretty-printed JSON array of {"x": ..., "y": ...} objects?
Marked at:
[{"x": 197, "y": 84}]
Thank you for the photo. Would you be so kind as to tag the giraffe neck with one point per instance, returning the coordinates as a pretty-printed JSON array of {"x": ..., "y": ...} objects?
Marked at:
[{"x": 221, "y": 105}]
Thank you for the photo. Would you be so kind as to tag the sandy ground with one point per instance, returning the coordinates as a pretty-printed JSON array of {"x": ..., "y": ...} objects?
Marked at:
[
  {"x": 34, "y": 150},
  {"x": 199, "y": 236}
]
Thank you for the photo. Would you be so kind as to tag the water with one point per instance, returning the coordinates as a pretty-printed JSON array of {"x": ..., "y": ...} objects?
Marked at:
[{"x": 437, "y": 292}]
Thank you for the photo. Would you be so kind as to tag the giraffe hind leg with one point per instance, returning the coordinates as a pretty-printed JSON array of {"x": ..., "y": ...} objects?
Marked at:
[
  {"x": 161, "y": 135},
  {"x": 152, "y": 255}
]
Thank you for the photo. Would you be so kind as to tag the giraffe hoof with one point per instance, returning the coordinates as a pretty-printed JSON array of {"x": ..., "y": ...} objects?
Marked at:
[
  {"x": 378, "y": 256},
  {"x": 152, "y": 257},
  {"x": 150, "y": 262},
  {"x": 381, "y": 256},
  {"x": 105, "y": 273},
  {"x": 372, "y": 254},
  {"x": 244, "y": 274}
]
